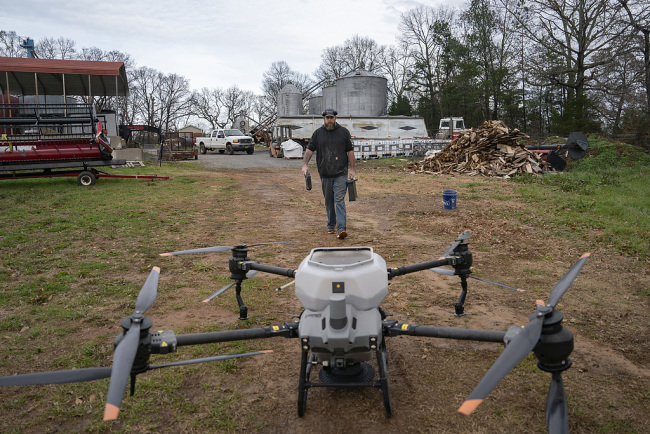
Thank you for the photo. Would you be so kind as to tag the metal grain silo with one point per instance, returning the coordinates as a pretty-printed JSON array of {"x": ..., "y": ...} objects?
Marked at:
[
  {"x": 289, "y": 101},
  {"x": 316, "y": 105},
  {"x": 329, "y": 98},
  {"x": 361, "y": 93}
]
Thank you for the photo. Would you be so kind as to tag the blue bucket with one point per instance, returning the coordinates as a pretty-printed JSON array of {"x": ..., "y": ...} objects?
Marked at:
[{"x": 449, "y": 199}]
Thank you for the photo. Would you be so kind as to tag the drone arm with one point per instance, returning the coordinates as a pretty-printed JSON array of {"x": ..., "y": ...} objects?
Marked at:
[
  {"x": 287, "y": 330},
  {"x": 269, "y": 269},
  {"x": 406, "y": 269},
  {"x": 395, "y": 329}
]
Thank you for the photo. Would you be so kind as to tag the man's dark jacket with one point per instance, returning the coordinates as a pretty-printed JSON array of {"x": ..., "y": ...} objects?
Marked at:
[{"x": 331, "y": 148}]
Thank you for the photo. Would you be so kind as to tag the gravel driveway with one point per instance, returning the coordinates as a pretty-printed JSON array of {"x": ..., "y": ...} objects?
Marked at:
[{"x": 259, "y": 159}]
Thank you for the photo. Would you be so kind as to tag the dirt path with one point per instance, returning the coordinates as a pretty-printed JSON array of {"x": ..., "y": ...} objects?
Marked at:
[{"x": 401, "y": 217}]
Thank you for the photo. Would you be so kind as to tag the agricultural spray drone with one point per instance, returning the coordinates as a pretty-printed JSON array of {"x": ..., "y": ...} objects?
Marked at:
[{"x": 341, "y": 329}]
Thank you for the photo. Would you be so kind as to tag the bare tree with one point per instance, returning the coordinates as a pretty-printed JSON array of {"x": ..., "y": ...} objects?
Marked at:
[
  {"x": 425, "y": 31},
  {"x": 356, "y": 53},
  {"x": 92, "y": 53},
  {"x": 173, "y": 100},
  {"x": 234, "y": 103},
  {"x": 331, "y": 66},
  {"x": 278, "y": 76},
  {"x": 206, "y": 104},
  {"x": 10, "y": 44},
  {"x": 396, "y": 67},
  {"x": 60, "y": 48},
  {"x": 143, "y": 83},
  {"x": 638, "y": 16},
  {"x": 575, "y": 31}
]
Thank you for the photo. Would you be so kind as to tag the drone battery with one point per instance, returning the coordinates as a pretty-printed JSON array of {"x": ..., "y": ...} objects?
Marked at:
[
  {"x": 352, "y": 189},
  {"x": 308, "y": 181}
]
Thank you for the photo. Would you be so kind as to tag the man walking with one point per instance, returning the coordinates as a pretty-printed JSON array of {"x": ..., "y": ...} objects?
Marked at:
[{"x": 333, "y": 146}]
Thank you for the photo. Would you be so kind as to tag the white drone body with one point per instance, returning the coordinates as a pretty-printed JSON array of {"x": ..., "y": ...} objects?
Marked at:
[{"x": 341, "y": 290}]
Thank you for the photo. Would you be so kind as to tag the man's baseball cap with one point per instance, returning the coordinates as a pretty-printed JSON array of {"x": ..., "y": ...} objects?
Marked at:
[{"x": 330, "y": 112}]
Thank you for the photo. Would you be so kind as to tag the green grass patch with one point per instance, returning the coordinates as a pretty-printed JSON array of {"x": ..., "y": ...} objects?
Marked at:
[{"x": 604, "y": 196}]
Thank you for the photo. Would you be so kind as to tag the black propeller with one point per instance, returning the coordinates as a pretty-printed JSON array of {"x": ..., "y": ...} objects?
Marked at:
[
  {"x": 461, "y": 238},
  {"x": 211, "y": 359},
  {"x": 56, "y": 377},
  {"x": 219, "y": 248},
  {"x": 250, "y": 274},
  {"x": 447, "y": 272},
  {"x": 92, "y": 374},
  {"x": 126, "y": 349},
  {"x": 519, "y": 347}
]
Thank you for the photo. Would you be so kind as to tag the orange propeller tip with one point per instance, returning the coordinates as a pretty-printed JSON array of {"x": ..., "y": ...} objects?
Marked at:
[
  {"x": 111, "y": 411},
  {"x": 469, "y": 406},
  {"x": 205, "y": 301},
  {"x": 441, "y": 258},
  {"x": 266, "y": 351},
  {"x": 166, "y": 254},
  {"x": 520, "y": 290},
  {"x": 156, "y": 269},
  {"x": 586, "y": 255},
  {"x": 540, "y": 302}
]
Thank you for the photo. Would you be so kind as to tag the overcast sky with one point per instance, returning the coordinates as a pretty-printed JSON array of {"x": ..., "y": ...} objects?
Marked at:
[{"x": 213, "y": 43}]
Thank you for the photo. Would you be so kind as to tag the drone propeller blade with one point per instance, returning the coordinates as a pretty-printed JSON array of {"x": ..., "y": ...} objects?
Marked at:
[
  {"x": 149, "y": 291},
  {"x": 462, "y": 237},
  {"x": 127, "y": 348},
  {"x": 444, "y": 271},
  {"x": 122, "y": 364},
  {"x": 272, "y": 242},
  {"x": 519, "y": 347},
  {"x": 498, "y": 284},
  {"x": 211, "y": 359},
  {"x": 561, "y": 287},
  {"x": 56, "y": 377},
  {"x": 447, "y": 272},
  {"x": 203, "y": 250},
  {"x": 221, "y": 248},
  {"x": 220, "y": 291},
  {"x": 557, "y": 417},
  {"x": 250, "y": 274}
]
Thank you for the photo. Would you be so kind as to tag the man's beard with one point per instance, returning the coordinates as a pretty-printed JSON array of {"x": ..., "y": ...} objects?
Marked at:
[{"x": 330, "y": 127}]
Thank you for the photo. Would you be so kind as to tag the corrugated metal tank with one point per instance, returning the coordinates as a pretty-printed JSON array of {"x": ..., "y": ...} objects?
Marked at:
[
  {"x": 289, "y": 101},
  {"x": 361, "y": 93},
  {"x": 329, "y": 98},
  {"x": 316, "y": 105}
]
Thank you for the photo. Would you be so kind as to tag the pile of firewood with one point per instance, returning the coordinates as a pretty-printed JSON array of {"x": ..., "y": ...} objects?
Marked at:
[{"x": 490, "y": 150}]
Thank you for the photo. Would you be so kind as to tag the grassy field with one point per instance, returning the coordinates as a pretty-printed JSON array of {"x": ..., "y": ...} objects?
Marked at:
[{"x": 72, "y": 257}]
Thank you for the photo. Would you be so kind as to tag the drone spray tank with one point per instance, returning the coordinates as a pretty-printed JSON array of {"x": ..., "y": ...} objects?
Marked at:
[{"x": 341, "y": 290}]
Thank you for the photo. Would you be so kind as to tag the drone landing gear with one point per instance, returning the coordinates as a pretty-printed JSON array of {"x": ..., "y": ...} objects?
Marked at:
[
  {"x": 459, "y": 306},
  {"x": 358, "y": 375},
  {"x": 243, "y": 310}
]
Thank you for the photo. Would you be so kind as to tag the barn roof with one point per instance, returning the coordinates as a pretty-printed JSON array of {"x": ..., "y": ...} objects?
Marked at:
[{"x": 81, "y": 77}]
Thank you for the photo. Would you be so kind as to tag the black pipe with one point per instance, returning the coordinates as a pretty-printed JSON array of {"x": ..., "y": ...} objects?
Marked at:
[
  {"x": 271, "y": 269},
  {"x": 224, "y": 336},
  {"x": 447, "y": 333},
  {"x": 287, "y": 330},
  {"x": 392, "y": 272}
]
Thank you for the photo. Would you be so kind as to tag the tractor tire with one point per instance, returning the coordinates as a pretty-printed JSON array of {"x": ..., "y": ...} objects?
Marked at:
[{"x": 86, "y": 178}]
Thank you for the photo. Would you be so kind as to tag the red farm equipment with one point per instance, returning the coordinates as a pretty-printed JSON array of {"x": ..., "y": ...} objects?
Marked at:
[{"x": 48, "y": 140}]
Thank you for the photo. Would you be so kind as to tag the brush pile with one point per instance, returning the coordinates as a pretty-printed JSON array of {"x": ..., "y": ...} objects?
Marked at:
[{"x": 490, "y": 150}]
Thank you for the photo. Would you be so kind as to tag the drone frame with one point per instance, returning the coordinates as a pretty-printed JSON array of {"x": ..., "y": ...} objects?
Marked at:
[{"x": 544, "y": 335}]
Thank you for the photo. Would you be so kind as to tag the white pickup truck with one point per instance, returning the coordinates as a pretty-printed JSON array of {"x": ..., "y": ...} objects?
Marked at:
[{"x": 226, "y": 141}]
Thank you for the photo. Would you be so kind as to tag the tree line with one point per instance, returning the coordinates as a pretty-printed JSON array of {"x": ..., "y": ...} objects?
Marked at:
[{"x": 543, "y": 66}]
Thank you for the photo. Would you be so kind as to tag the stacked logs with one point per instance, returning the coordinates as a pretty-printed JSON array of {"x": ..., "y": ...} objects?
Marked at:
[{"x": 490, "y": 150}]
